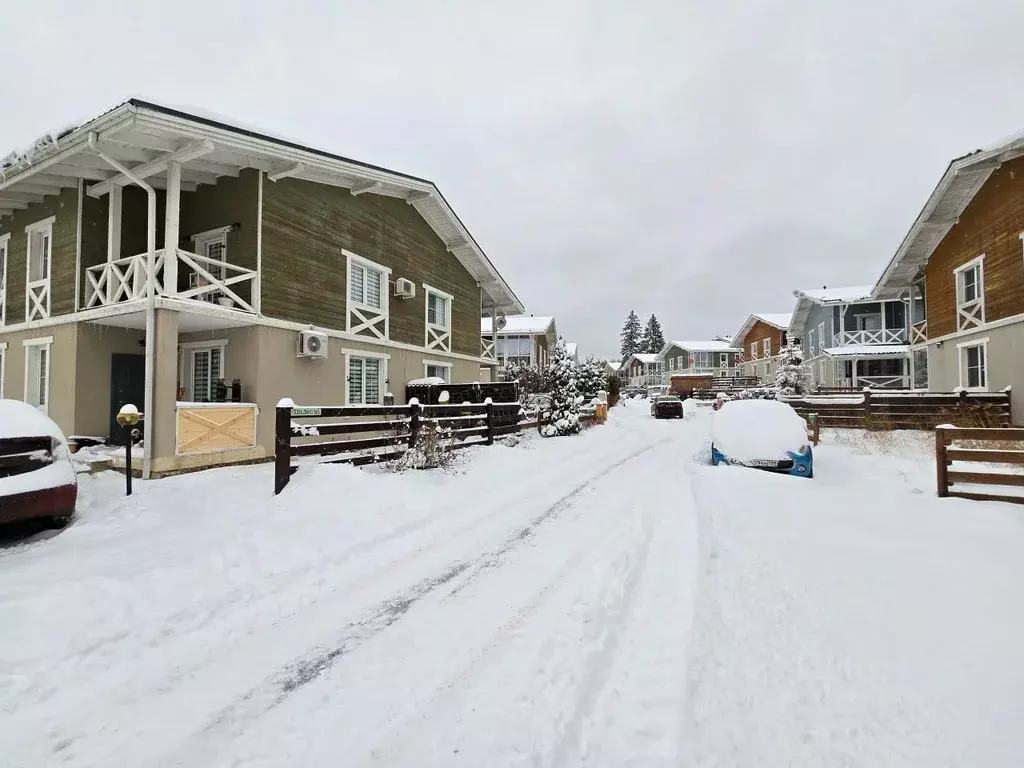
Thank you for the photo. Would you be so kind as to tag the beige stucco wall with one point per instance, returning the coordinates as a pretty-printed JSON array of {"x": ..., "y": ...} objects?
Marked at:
[
  {"x": 96, "y": 344},
  {"x": 62, "y": 370},
  {"x": 1005, "y": 364}
]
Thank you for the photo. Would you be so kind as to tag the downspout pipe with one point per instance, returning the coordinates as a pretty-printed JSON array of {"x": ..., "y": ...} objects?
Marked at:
[{"x": 148, "y": 413}]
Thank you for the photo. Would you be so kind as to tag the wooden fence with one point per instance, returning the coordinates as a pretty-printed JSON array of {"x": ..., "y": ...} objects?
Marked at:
[
  {"x": 945, "y": 455},
  {"x": 907, "y": 410}
]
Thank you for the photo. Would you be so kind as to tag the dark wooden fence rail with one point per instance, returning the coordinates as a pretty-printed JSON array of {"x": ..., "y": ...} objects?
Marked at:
[
  {"x": 385, "y": 432},
  {"x": 908, "y": 410},
  {"x": 946, "y": 455}
]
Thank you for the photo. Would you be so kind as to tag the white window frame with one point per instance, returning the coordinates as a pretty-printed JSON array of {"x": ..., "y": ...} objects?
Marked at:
[
  {"x": 766, "y": 345},
  {"x": 367, "y": 315},
  {"x": 822, "y": 372},
  {"x": 970, "y": 314},
  {"x": 435, "y": 335},
  {"x": 723, "y": 359},
  {"x": 43, "y": 227},
  {"x": 438, "y": 364},
  {"x": 3, "y": 366},
  {"x": 382, "y": 373},
  {"x": 810, "y": 343},
  {"x": 201, "y": 240},
  {"x": 47, "y": 342},
  {"x": 753, "y": 350},
  {"x": 5, "y": 247},
  {"x": 821, "y": 334},
  {"x": 961, "y": 355},
  {"x": 190, "y": 348}
]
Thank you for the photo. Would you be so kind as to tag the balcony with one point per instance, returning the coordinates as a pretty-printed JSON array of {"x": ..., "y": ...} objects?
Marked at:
[
  {"x": 210, "y": 280},
  {"x": 880, "y": 336},
  {"x": 487, "y": 348}
]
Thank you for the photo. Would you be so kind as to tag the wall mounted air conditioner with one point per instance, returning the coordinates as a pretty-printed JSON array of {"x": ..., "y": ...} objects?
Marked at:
[
  {"x": 312, "y": 344},
  {"x": 405, "y": 289}
]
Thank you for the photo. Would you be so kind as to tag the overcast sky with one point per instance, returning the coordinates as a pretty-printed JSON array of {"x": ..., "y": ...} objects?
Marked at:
[{"x": 695, "y": 160}]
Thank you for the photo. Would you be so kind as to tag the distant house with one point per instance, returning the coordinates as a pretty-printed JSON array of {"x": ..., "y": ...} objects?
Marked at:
[
  {"x": 523, "y": 340},
  {"x": 851, "y": 340},
  {"x": 698, "y": 361},
  {"x": 611, "y": 367},
  {"x": 642, "y": 370},
  {"x": 760, "y": 339}
]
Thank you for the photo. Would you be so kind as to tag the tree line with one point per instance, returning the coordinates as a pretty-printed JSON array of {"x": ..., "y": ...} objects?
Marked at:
[{"x": 637, "y": 340}]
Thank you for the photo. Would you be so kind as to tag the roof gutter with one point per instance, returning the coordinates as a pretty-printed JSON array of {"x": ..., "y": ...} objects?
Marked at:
[{"x": 148, "y": 413}]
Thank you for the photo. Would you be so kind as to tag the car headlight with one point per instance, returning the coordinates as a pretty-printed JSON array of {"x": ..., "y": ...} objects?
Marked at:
[{"x": 803, "y": 450}]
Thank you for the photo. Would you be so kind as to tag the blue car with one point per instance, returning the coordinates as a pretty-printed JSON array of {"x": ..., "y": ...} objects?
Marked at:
[{"x": 761, "y": 434}]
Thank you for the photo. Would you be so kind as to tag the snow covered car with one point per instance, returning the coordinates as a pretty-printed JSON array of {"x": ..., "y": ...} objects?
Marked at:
[
  {"x": 37, "y": 477},
  {"x": 764, "y": 434},
  {"x": 667, "y": 407}
]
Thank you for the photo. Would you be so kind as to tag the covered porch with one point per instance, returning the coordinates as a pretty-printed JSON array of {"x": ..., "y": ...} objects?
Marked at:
[{"x": 875, "y": 366}]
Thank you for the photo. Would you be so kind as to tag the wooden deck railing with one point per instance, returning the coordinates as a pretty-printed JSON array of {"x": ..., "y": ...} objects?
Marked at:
[
  {"x": 949, "y": 450},
  {"x": 907, "y": 410}
]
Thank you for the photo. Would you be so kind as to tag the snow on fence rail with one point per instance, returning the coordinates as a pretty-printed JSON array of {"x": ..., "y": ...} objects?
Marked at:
[
  {"x": 949, "y": 448},
  {"x": 383, "y": 432},
  {"x": 907, "y": 410}
]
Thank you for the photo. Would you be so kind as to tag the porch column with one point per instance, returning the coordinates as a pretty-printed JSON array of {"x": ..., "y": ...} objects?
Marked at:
[
  {"x": 113, "y": 235},
  {"x": 494, "y": 338},
  {"x": 856, "y": 360},
  {"x": 172, "y": 228},
  {"x": 165, "y": 388}
]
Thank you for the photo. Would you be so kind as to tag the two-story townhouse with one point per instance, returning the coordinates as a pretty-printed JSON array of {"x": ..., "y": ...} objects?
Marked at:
[
  {"x": 961, "y": 269},
  {"x": 155, "y": 256},
  {"x": 850, "y": 340},
  {"x": 760, "y": 339},
  {"x": 642, "y": 370},
  {"x": 521, "y": 339},
  {"x": 698, "y": 360}
]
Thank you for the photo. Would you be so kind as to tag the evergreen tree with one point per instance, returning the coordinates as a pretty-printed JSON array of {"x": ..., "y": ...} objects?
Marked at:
[
  {"x": 590, "y": 378},
  {"x": 532, "y": 379},
  {"x": 792, "y": 376},
  {"x": 565, "y": 396},
  {"x": 654, "y": 338},
  {"x": 630, "y": 336}
]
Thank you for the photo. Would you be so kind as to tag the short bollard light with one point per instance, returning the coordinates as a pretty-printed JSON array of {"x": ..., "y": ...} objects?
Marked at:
[{"x": 128, "y": 417}]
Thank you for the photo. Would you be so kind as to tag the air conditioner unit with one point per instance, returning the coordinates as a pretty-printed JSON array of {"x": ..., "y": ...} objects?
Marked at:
[
  {"x": 405, "y": 289},
  {"x": 312, "y": 344}
]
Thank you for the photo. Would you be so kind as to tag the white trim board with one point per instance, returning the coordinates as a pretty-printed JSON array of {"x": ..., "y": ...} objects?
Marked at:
[
  {"x": 40, "y": 225},
  {"x": 195, "y": 344},
  {"x": 961, "y": 363},
  {"x": 37, "y": 342},
  {"x": 3, "y": 366},
  {"x": 47, "y": 343}
]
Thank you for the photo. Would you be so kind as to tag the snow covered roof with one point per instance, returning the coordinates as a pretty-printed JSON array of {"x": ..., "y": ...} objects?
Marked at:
[
  {"x": 805, "y": 299},
  {"x": 520, "y": 324},
  {"x": 144, "y": 136},
  {"x": 699, "y": 346},
  {"x": 646, "y": 358},
  {"x": 963, "y": 179},
  {"x": 613, "y": 364},
  {"x": 780, "y": 320},
  {"x": 868, "y": 350}
]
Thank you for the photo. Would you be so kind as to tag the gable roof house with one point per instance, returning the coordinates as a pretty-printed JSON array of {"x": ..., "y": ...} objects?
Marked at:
[
  {"x": 961, "y": 269},
  {"x": 155, "y": 256},
  {"x": 641, "y": 370},
  {"x": 697, "y": 363},
  {"x": 850, "y": 340},
  {"x": 760, "y": 339},
  {"x": 521, "y": 339}
]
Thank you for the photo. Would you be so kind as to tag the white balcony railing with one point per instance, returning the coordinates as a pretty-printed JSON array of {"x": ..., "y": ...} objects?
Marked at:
[
  {"x": 487, "y": 350},
  {"x": 124, "y": 280},
  {"x": 880, "y": 336},
  {"x": 876, "y": 382}
]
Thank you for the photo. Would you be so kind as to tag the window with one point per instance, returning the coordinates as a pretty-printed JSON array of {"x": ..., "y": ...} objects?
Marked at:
[
  {"x": 364, "y": 379},
  {"x": 207, "y": 368},
  {"x": 810, "y": 343},
  {"x": 919, "y": 360},
  {"x": 436, "y": 370},
  {"x": 723, "y": 360},
  {"x": 822, "y": 372},
  {"x": 438, "y": 333},
  {"x": 37, "y": 372},
  {"x": 37, "y": 285},
  {"x": 974, "y": 365},
  {"x": 365, "y": 285},
  {"x": 4, "y": 239},
  {"x": 437, "y": 310},
  {"x": 970, "y": 294},
  {"x": 212, "y": 245},
  {"x": 767, "y": 344},
  {"x": 703, "y": 359},
  {"x": 822, "y": 339},
  {"x": 753, "y": 350}
]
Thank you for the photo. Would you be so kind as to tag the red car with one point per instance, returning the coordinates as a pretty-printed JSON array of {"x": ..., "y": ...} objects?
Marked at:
[{"x": 37, "y": 477}]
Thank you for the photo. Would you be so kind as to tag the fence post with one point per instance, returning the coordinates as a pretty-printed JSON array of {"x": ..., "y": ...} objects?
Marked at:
[
  {"x": 867, "y": 403},
  {"x": 490, "y": 421},
  {"x": 414, "y": 421},
  {"x": 941, "y": 467},
  {"x": 282, "y": 449},
  {"x": 538, "y": 420}
]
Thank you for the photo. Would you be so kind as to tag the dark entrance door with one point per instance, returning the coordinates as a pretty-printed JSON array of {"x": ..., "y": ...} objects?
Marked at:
[{"x": 127, "y": 385}]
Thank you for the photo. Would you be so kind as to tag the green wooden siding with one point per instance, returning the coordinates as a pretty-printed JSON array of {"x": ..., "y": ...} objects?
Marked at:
[
  {"x": 62, "y": 267},
  {"x": 305, "y": 228}
]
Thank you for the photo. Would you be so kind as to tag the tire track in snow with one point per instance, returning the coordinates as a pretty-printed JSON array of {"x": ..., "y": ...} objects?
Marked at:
[{"x": 294, "y": 676}]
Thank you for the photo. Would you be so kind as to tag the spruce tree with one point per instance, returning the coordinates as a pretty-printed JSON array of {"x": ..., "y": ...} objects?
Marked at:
[
  {"x": 655, "y": 338},
  {"x": 590, "y": 378},
  {"x": 630, "y": 336},
  {"x": 565, "y": 395},
  {"x": 792, "y": 376}
]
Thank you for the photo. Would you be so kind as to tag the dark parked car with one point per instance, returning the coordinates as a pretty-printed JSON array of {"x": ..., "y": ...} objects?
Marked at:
[
  {"x": 667, "y": 407},
  {"x": 37, "y": 477}
]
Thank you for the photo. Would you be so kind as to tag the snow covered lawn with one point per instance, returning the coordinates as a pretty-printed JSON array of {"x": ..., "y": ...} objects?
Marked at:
[{"x": 607, "y": 599}]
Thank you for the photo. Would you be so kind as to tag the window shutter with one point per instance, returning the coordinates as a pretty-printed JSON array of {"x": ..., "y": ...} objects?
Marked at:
[{"x": 373, "y": 283}]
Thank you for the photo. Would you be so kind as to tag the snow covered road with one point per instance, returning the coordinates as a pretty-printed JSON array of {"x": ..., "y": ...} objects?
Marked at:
[{"x": 603, "y": 600}]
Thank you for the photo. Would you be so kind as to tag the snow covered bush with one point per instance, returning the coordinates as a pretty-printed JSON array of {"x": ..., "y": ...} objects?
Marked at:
[
  {"x": 614, "y": 387},
  {"x": 792, "y": 377},
  {"x": 531, "y": 379},
  {"x": 590, "y": 379},
  {"x": 565, "y": 395},
  {"x": 431, "y": 451}
]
